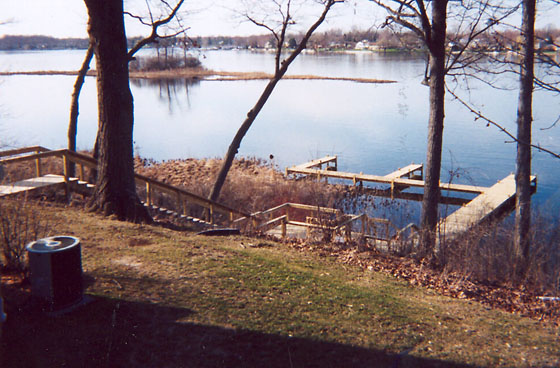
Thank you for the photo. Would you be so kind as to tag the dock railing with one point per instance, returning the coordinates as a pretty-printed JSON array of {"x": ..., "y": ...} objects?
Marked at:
[{"x": 328, "y": 222}]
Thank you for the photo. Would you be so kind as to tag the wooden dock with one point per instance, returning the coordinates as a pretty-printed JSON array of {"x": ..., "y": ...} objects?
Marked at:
[
  {"x": 495, "y": 200},
  {"x": 490, "y": 202}
]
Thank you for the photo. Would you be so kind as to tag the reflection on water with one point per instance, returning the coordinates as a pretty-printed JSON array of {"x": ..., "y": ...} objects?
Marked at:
[{"x": 169, "y": 89}]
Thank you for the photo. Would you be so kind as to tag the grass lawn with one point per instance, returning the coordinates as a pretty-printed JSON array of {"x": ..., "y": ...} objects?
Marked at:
[{"x": 163, "y": 298}]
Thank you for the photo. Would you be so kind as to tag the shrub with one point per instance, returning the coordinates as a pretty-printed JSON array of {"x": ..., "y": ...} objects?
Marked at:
[
  {"x": 486, "y": 254},
  {"x": 156, "y": 63},
  {"x": 19, "y": 225}
]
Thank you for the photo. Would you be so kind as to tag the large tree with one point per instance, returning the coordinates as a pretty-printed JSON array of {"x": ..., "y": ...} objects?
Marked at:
[
  {"x": 428, "y": 20},
  {"x": 115, "y": 190},
  {"x": 432, "y": 29},
  {"x": 524, "y": 123},
  {"x": 155, "y": 22}
]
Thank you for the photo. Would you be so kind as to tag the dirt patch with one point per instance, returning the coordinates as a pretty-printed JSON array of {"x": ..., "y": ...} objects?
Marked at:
[{"x": 127, "y": 261}]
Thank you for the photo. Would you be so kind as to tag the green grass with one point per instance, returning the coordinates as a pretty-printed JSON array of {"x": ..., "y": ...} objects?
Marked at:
[{"x": 165, "y": 298}]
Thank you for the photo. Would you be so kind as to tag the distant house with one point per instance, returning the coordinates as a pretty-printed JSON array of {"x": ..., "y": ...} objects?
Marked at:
[{"x": 362, "y": 45}]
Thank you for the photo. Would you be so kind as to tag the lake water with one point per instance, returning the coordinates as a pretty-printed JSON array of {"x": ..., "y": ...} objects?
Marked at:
[{"x": 373, "y": 128}]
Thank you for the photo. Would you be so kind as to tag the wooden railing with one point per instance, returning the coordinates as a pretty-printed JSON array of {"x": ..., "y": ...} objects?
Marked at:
[
  {"x": 19, "y": 151},
  {"x": 330, "y": 221},
  {"x": 152, "y": 186}
]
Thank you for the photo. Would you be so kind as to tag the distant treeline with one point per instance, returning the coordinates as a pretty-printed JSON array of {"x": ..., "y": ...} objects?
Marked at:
[
  {"x": 372, "y": 39},
  {"x": 8, "y": 43},
  {"x": 329, "y": 38}
]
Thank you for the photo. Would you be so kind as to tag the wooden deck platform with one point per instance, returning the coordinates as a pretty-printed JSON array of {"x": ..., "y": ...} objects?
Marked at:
[
  {"x": 31, "y": 185},
  {"x": 331, "y": 162},
  {"x": 400, "y": 178},
  {"x": 498, "y": 198}
]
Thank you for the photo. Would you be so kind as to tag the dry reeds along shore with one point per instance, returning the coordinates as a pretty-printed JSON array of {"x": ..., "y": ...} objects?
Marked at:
[{"x": 206, "y": 74}]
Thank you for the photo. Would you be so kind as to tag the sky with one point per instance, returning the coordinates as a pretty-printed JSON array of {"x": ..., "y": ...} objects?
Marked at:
[{"x": 68, "y": 18}]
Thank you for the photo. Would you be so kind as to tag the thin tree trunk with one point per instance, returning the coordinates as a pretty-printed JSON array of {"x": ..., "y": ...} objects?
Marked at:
[
  {"x": 281, "y": 69},
  {"x": 524, "y": 122},
  {"x": 236, "y": 142},
  {"x": 432, "y": 171},
  {"x": 115, "y": 190},
  {"x": 74, "y": 106}
]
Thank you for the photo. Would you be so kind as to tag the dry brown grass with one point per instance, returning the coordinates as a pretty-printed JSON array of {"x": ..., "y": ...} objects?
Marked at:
[
  {"x": 485, "y": 254},
  {"x": 202, "y": 73},
  {"x": 252, "y": 184}
]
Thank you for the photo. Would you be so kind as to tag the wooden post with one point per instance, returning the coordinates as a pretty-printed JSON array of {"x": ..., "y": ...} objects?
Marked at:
[
  {"x": 82, "y": 172},
  {"x": 283, "y": 229},
  {"x": 38, "y": 166},
  {"x": 230, "y": 216},
  {"x": 148, "y": 194},
  {"x": 184, "y": 207},
  {"x": 387, "y": 230},
  {"x": 65, "y": 170},
  {"x": 211, "y": 220},
  {"x": 348, "y": 233},
  {"x": 179, "y": 202}
]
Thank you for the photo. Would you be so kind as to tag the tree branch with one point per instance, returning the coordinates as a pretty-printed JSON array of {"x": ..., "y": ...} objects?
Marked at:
[
  {"x": 155, "y": 25},
  {"x": 479, "y": 115}
]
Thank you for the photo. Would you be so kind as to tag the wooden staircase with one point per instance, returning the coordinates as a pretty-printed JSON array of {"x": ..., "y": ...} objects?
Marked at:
[
  {"x": 162, "y": 212},
  {"x": 153, "y": 188}
]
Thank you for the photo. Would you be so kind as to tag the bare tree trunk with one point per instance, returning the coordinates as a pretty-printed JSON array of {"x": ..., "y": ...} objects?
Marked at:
[
  {"x": 74, "y": 106},
  {"x": 436, "y": 46},
  {"x": 280, "y": 69},
  {"x": 524, "y": 123},
  {"x": 115, "y": 190},
  {"x": 236, "y": 142}
]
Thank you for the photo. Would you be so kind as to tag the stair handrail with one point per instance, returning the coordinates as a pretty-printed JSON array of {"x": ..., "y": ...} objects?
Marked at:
[{"x": 86, "y": 160}]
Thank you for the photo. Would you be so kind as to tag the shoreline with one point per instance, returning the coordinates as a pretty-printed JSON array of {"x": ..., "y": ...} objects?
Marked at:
[{"x": 200, "y": 74}]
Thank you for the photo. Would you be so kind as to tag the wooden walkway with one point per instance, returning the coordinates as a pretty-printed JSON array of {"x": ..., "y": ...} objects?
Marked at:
[
  {"x": 495, "y": 200},
  {"x": 409, "y": 176},
  {"x": 27, "y": 185}
]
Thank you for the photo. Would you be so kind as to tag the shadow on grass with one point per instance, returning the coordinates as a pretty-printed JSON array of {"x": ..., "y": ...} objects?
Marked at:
[{"x": 118, "y": 333}]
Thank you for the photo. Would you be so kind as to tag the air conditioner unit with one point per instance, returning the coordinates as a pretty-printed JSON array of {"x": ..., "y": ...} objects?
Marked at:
[{"x": 55, "y": 266}]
